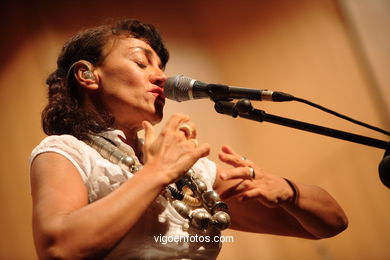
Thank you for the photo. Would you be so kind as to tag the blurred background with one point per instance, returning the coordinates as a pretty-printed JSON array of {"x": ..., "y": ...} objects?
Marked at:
[{"x": 333, "y": 52}]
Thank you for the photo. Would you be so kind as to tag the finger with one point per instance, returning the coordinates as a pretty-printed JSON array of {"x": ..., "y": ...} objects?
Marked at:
[
  {"x": 229, "y": 156},
  {"x": 236, "y": 173},
  {"x": 175, "y": 120},
  {"x": 193, "y": 129},
  {"x": 196, "y": 143},
  {"x": 191, "y": 158},
  {"x": 149, "y": 133},
  {"x": 230, "y": 159},
  {"x": 202, "y": 150},
  {"x": 236, "y": 190},
  {"x": 228, "y": 150},
  {"x": 187, "y": 130},
  {"x": 250, "y": 194}
]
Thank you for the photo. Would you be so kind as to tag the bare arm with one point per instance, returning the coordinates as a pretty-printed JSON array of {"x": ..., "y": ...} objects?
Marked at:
[
  {"x": 67, "y": 227},
  {"x": 265, "y": 205}
]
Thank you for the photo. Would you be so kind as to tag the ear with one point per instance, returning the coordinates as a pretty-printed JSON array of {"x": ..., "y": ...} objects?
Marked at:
[{"x": 84, "y": 74}]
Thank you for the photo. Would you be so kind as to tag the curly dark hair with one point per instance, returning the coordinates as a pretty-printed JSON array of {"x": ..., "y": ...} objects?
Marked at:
[{"x": 64, "y": 113}]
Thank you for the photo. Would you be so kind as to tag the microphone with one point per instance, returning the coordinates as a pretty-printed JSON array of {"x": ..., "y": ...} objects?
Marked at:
[
  {"x": 384, "y": 171},
  {"x": 384, "y": 167},
  {"x": 181, "y": 88}
]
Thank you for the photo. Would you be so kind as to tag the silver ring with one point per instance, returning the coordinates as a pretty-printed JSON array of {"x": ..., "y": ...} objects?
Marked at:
[
  {"x": 195, "y": 142},
  {"x": 187, "y": 130},
  {"x": 243, "y": 158},
  {"x": 252, "y": 173}
]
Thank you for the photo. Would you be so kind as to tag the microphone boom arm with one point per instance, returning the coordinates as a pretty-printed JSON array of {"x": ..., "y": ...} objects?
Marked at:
[{"x": 244, "y": 109}]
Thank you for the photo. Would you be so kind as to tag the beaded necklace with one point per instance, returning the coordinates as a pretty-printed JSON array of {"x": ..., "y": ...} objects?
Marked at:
[{"x": 188, "y": 196}]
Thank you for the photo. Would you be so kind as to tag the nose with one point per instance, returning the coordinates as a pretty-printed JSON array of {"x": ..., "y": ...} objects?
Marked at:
[{"x": 159, "y": 78}]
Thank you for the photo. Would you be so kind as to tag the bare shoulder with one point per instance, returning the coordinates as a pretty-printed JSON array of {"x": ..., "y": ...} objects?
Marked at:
[{"x": 56, "y": 184}]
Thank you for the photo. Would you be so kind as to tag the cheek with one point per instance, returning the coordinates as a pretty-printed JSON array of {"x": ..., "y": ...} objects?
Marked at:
[
  {"x": 124, "y": 83},
  {"x": 127, "y": 95}
]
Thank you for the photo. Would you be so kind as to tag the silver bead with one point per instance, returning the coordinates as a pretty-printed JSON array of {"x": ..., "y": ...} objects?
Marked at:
[
  {"x": 135, "y": 168},
  {"x": 221, "y": 220},
  {"x": 189, "y": 173},
  {"x": 210, "y": 198},
  {"x": 220, "y": 206},
  {"x": 200, "y": 219},
  {"x": 200, "y": 186},
  {"x": 185, "y": 226},
  {"x": 181, "y": 208},
  {"x": 126, "y": 162}
]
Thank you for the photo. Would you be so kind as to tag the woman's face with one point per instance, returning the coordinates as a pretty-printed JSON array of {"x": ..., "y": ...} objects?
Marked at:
[{"x": 131, "y": 82}]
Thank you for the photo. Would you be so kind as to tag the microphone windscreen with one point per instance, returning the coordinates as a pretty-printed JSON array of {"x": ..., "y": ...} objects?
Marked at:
[{"x": 177, "y": 88}]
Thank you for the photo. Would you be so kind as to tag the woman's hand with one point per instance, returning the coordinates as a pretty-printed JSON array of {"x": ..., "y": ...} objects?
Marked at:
[
  {"x": 175, "y": 150},
  {"x": 313, "y": 214},
  {"x": 269, "y": 189}
]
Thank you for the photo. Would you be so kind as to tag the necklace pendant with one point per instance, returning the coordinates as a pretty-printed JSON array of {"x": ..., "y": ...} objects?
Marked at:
[
  {"x": 200, "y": 219},
  {"x": 181, "y": 208},
  {"x": 185, "y": 225}
]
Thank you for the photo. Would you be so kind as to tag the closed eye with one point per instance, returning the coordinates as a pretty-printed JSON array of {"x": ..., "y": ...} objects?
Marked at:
[
  {"x": 141, "y": 64},
  {"x": 139, "y": 58}
]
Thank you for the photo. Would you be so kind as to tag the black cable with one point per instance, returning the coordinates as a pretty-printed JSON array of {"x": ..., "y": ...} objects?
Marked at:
[{"x": 341, "y": 115}]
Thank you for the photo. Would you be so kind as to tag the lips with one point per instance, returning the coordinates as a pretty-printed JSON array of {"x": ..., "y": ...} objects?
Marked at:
[{"x": 158, "y": 93}]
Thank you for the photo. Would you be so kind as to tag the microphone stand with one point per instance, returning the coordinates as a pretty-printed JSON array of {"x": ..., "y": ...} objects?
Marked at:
[{"x": 244, "y": 109}]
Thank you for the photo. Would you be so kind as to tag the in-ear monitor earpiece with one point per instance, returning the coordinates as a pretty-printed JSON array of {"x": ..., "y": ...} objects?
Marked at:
[{"x": 88, "y": 75}]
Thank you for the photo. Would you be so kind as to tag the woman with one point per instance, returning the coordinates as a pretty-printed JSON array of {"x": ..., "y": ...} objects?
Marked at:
[{"x": 98, "y": 192}]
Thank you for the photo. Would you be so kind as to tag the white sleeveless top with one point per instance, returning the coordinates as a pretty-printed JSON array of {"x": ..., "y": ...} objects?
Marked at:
[{"x": 148, "y": 238}]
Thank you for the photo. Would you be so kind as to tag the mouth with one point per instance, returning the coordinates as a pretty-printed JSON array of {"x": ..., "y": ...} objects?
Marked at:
[{"x": 158, "y": 93}]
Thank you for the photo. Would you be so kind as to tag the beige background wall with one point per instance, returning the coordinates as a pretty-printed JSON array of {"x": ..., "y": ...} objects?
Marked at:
[{"x": 303, "y": 47}]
